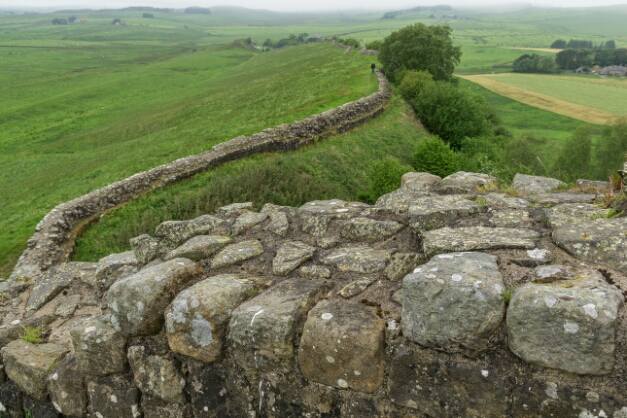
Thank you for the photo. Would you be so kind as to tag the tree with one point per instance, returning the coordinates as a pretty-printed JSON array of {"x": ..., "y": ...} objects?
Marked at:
[
  {"x": 374, "y": 45},
  {"x": 57, "y": 21},
  {"x": 421, "y": 48},
  {"x": 434, "y": 156},
  {"x": 116, "y": 21},
  {"x": 559, "y": 44},
  {"x": 412, "y": 83},
  {"x": 610, "y": 45},
  {"x": 611, "y": 149},
  {"x": 71, "y": 19},
  {"x": 574, "y": 160},
  {"x": 148, "y": 15}
]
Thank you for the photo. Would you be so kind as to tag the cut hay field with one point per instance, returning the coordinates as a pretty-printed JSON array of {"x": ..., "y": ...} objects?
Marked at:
[{"x": 587, "y": 98}]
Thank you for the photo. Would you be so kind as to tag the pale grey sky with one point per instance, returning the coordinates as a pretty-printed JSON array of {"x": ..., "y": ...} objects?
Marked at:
[{"x": 291, "y": 5}]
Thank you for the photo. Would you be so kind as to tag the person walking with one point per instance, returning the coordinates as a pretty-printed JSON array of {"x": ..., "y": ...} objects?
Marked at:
[{"x": 373, "y": 67}]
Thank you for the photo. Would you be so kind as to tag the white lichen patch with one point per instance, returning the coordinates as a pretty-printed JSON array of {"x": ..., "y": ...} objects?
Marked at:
[
  {"x": 591, "y": 311},
  {"x": 571, "y": 328}
]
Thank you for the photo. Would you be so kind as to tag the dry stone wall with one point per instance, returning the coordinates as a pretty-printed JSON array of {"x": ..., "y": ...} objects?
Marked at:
[
  {"x": 54, "y": 236},
  {"x": 447, "y": 298}
]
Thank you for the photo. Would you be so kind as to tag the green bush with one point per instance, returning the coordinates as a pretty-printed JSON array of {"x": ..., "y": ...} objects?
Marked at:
[
  {"x": 519, "y": 154},
  {"x": 574, "y": 161},
  {"x": 412, "y": 82},
  {"x": 351, "y": 42},
  {"x": 610, "y": 153},
  {"x": 385, "y": 176},
  {"x": 374, "y": 45},
  {"x": 434, "y": 156}
]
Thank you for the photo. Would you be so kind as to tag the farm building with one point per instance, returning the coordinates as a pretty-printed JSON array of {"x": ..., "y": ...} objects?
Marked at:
[{"x": 615, "y": 70}]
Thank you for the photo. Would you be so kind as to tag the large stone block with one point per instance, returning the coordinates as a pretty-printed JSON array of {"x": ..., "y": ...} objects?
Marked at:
[
  {"x": 431, "y": 212},
  {"x": 342, "y": 346},
  {"x": 196, "y": 320},
  {"x": 420, "y": 181},
  {"x": 67, "y": 389},
  {"x": 114, "y": 396},
  {"x": 99, "y": 348},
  {"x": 263, "y": 329},
  {"x": 11, "y": 399},
  {"x": 236, "y": 253},
  {"x": 290, "y": 256},
  {"x": 199, "y": 247},
  {"x": 156, "y": 375},
  {"x": 175, "y": 233},
  {"x": 565, "y": 319},
  {"x": 360, "y": 259},
  {"x": 572, "y": 213},
  {"x": 114, "y": 267},
  {"x": 454, "y": 302},
  {"x": 156, "y": 408},
  {"x": 246, "y": 221},
  {"x": 399, "y": 200},
  {"x": 137, "y": 303},
  {"x": 369, "y": 230},
  {"x": 207, "y": 391},
  {"x": 28, "y": 364},
  {"x": 463, "y": 182},
  {"x": 402, "y": 264},
  {"x": 534, "y": 184},
  {"x": 146, "y": 248}
]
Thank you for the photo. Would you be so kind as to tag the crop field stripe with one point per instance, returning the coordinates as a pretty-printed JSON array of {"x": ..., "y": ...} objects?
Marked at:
[
  {"x": 549, "y": 50},
  {"x": 543, "y": 101}
]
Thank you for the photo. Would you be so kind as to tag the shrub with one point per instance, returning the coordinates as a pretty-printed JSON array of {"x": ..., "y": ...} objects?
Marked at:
[
  {"x": 610, "y": 153},
  {"x": 574, "y": 160},
  {"x": 385, "y": 177},
  {"x": 374, "y": 45},
  {"x": 412, "y": 82},
  {"x": 351, "y": 42},
  {"x": 434, "y": 156},
  {"x": 32, "y": 335}
]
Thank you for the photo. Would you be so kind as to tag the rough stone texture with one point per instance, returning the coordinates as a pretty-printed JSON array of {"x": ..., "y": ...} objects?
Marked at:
[
  {"x": 290, "y": 256},
  {"x": 565, "y": 319},
  {"x": 10, "y": 288},
  {"x": 338, "y": 208},
  {"x": 263, "y": 328},
  {"x": 199, "y": 247},
  {"x": 175, "y": 233},
  {"x": 68, "y": 306},
  {"x": 601, "y": 186},
  {"x": 369, "y": 230},
  {"x": 463, "y": 182},
  {"x": 565, "y": 197},
  {"x": 402, "y": 264},
  {"x": 28, "y": 364},
  {"x": 114, "y": 267},
  {"x": 342, "y": 346},
  {"x": 358, "y": 259},
  {"x": 103, "y": 391},
  {"x": 246, "y": 221},
  {"x": 510, "y": 218},
  {"x": 420, "y": 181},
  {"x": 399, "y": 200},
  {"x": 40, "y": 408},
  {"x": 314, "y": 272},
  {"x": 137, "y": 303},
  {"x": 431, "y": 212},
  {"x": 478, "y": 238},
  {"x": 278, "y": 224},
  {"x": 196, "y": 320},
  {"x": 503, "y": 201},
  {"x": 315, "y": 225},
  {"x": 454, "y": 302},
  {"x": 68, "y": 392},
  {"x": 572, "y": 213},
  {"x": 155, "y": 408},
  {"x": 207, "y": 392},
  {"x": 236, "y": 253},
  {"x": 146, "y": 248},
  {"x": 449, "y": 387},
  {"x": 11, "y": 400},
  {"x": 356, "y": 287},
  {"x": 156, "y": 375},
  {"x": 602, "y": 241},
  {"x": 534, "y": 184},
  {"x": 235, "y": 207},
  {"x": 99, "y": 348}
]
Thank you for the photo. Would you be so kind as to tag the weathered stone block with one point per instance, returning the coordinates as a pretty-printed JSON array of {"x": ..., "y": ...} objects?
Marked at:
[
  {"x": 156, "y": 408},
  {"x": 263, "y": 328},
  {"x": 175, "y": 233},
  {"x": 402, "y": 264},
  {"x": 431, "y": 212},
  {"x": 246, "y": 221},
  {"x": 399, "y": 200},
  {"x": 315, "y": 225},
  {"x": 156, "y": 375},
  {"x": 463, "y": 182},
  {"x": 342, "y": 346},
  {"x": 534, "y": 184},
  {"x": 208, "y": 393},
  {"x": 573, "y": 213},
  {"x": 199, "y": 247},
  {"x": 114, "y": 396},
  {"x": 369, "y": 230},
  {"x": 420, "y": 181},
  {"x": 236, "y": 253},
  {"x": 115, "y": 267},
  {"x": 67, "y": 389},
  {"x": 137, "y": 303},
  {"x": 510, "y": 218},
  {"x": 146, "y": 248},
  {"x": 503, "y": 201},
  {"x": 360, "y": 259},
  {"x": 290, "y": 256},
  {"x": 11, "y": 399},
  {"x": 99, "y": 348},
  {"x": 565, "y": 319},
  {"x": 454, "y": 302},
  {"x": 356, "y": 287},
  {"x": 314, "y": 272},
  {"x": 196, "y": 320},
  {"x": 278, "y": 224}
]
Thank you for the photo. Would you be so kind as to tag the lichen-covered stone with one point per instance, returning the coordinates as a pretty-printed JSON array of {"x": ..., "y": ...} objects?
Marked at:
[
  {"x": 175, "y": 233},
  {"x": 28, "y": 364},
  {"x": 40, "y": 408},
  {"x": 602, "y": 241},
  {"x": 356, "y": 287},
  {"x": 68, "y": 306},
  {"x": 199, "y": 247},
  {"x": 601, "y": 186},
  {"x": 420, "y": 181},
  {"x": 338, "y": 208},
  {"x": 314, "y": 272},
  {"x": 359, "y": 259},
  {"x": 572, "y": 213},
  {"x": 510, "y": 218},
  {"x": 278, "y": 224},
  {"x": 236, "y": 253},
  {"x": 246, "y": 221},
  {"x": 235, "y": 207},
  {"x": 369, "y": 230},
  {"x": 463, "y": 182},
  {"x": 564, "y": 197},
  {"x": 10, "y": 288},
  {"x": 565, "y": 319},
  {"x": 454, "y": 302},
  {"x": 434, "y": 211},
  {"x": 342, "y": 346},
  {"x": 137, "y": 303},
  {"x": 156, "y": 375},
  {"x": 196, "y": 320},
  {"x": 146, "y": 248},
  {"x": 263, "y": 328},
  {"x": 207, "y": 391},
  {"x": 402, "y": 264},
  {"x": 399, "y": 200},
  {"x": 98, "y": 347},
  {"x": 68, "y": 392},
  {"x": 156, "y": 408},
  {"x": 113, "y": 396},
  {"x": 446, "y": 240},
  {"x": 503, "y": 201},
  {"x": 114, "y": 267},
  {"x": 290, "y": 256},
  {"x": 315, "y": 225},
  {"x": 11, "y": 399},
  {"x": 534, "y": 184}
]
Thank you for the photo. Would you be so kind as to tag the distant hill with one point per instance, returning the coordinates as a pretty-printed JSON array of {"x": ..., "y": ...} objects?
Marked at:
[
  {"x": 197, "y": 11},
  {"x": 439, "y": 8}
]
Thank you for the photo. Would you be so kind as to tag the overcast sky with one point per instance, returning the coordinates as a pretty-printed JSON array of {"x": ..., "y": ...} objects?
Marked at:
[{"x": 291, "y": 5}]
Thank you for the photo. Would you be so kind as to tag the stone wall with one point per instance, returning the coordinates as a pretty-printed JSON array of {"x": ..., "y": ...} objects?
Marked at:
[
  {"x": 54, "y": 236},
  {"x": 447, "y": 298}
]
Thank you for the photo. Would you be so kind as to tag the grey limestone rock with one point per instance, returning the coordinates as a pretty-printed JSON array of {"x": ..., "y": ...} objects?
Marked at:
[
  {"x": 572, "y": 213},
  {"x": 356, "y": 287},
  {"x": 503, "y": 201},
  {"x": 270, "y": 208},
  {"x": 342, "y": 346},
  {"x": 510, "y": 218},
  {"x": 314, "y": 272},
  {"x": 420, "y": 181},
  {"x": 263, "y": 328},
  {"x": 360, "y": 259},
  {"x": 369, "y": 230},
  {"x": 601, "y": 186},
  {"x": 278, "y": 224},
  {"x": 11, "y": 399},
  {"x": 477, "y": 238},
  {"x": 338, "y": 208},
  {"x": 246, "y": 221},
  {"x": 199, "y": 247},
  {"x": 120, "y": 388},
  {"x": 463, "y": 182},
  {"x": 68, "y": 306},
  {"x": 137, "y": 303},
  {"x": 402, "y": 264},
  {"x": 156, "y": 375},
  {"x": 565, "y": 319},
  {"x": 400, "y": 199},
  {"x": 602, "y": 241},
  {"x": 235, "y": 207},
  {"x": 146, "y": 248},
  {"x": 196, "y": 320},
  {"x": 565, "y": 197},
  {"x": 27, "y": 365},
  {"x": 114, "y": 267},
  {"x": 434, "y": 211},
  {"x": 98, "y": 347},
  {"x": 11, "y": 288},
  {"x": 328, "y": 242},
  {"x": 454, "y": 302},
  {"x": 315, "y": 225},
  {"x": 236, "y": 253},
  {"x": 534, "y": 184},
  {"x": 156, "y": 408},
  {"x": 68, "y": 392},
  {"x": 174, "y": 233},
  {"x": 290, "y": 256}
]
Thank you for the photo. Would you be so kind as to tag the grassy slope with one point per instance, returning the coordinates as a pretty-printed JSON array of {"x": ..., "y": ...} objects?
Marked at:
[{"x": 334, "y": 168}]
